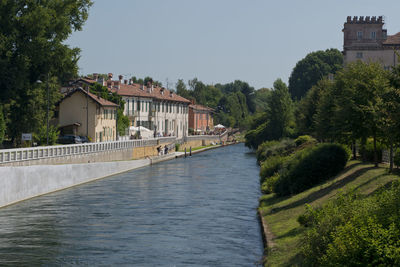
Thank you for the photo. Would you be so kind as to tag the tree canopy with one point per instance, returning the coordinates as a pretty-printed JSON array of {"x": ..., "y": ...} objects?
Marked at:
[
  {"x": 313, "y": 68},
  {"x": 32, "y": 48}
]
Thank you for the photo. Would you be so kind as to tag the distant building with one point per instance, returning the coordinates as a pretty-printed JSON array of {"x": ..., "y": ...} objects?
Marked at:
[
  {"x": 365, "y": 39},
  {"x": 83, "y": 113},
  {"x": 200, "y": 118},
  {"x": 155, "y": 108}
]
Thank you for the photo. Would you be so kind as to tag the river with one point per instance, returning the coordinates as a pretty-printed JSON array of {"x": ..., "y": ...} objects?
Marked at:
[{"x": 195, "y": 211}]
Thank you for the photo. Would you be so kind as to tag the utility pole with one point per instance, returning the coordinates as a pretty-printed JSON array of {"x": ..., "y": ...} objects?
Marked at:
[{"x": 47, "y": 113}]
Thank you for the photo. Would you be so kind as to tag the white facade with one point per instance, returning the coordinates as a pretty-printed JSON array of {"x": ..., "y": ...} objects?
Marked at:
[{"x": 166, "y": 118}]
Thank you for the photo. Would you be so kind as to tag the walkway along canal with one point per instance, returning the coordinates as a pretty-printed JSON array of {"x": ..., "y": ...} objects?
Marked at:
[{"x": 195, "y": 211}]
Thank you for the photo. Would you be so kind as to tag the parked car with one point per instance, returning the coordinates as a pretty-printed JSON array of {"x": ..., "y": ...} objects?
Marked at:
[
  {"x": 84, "y": 139},
  {"x": 69, "y": 139}
]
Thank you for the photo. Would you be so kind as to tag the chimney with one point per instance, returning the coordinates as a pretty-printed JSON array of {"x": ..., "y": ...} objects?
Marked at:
[
  {"x": 162, "y": 90},
  {"x": 130, "y": 81},
  {"x": 125, "y": 81},
  {"x": 110, "y": 75},
  {"x": 171, "y": 94},
  {"x": 120, "y": 77},
  {"x": 95, "y": 76}
]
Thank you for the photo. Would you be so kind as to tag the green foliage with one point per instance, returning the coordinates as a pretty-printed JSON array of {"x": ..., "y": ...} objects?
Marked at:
[
  {"x": 268, "y": 185},
  {"x": 311, "y": 166},
  {"x": 177, "y": 147},
  {"x": 261, "y": 99},
  {"x": 271, "y": 166},
  {"x": 32, "y": 48},
  {"x": 281, "y": 121},
  {"x": 311, "y": 69},
  {"x": 304, "y": 139},
  {"x": 274, "y": 148},
  {"x": 307, "y": 107},
  {"x": 354, "y": 230},
  {"x": 367, "y": 151},
  {"x": 277, "y": 122},
  {"x": 40, "y": 136},
  {"x": 2, "y": 125}
]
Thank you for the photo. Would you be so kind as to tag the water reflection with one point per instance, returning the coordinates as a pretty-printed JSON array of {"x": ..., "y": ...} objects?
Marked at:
[{"x": 198, "y": 211}]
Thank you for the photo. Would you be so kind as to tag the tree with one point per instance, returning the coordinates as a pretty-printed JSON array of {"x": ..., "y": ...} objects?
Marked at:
[
  {"x": 360, "y": 88},
  {"x": 280, "y": 112},
  {"x": 313, "y": 68},
  {"x": 32, "y": 48},
  {"x": 307, "y": 108},
  {"x": 182, "y": 91},
  {"x": 261, "y": 97}
]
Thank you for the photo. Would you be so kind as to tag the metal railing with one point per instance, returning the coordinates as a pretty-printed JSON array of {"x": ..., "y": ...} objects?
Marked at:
[{"x": 34, "y": 153}]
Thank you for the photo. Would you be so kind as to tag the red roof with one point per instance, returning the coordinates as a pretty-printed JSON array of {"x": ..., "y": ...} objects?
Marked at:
[
  {"x": 136, "y": 89},
  {"x": 393, "y": 39},
  {"x": 99, "y": 100}
]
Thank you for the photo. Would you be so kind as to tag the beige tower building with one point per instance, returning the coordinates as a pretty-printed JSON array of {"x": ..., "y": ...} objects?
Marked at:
[{"x": 365, "y": 39}]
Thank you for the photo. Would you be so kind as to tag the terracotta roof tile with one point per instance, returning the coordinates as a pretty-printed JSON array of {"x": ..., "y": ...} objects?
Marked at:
[
  {"x": 393, "y": 39},
  {"x": 135, "y": 89},
  {"x": 99, "y": 100}
]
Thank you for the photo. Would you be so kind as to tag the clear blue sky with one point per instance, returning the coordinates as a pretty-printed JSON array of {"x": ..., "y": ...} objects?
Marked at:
[{"x": 217, "y": 41}]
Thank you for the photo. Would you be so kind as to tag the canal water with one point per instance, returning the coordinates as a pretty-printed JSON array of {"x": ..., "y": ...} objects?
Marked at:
[{"x": 195, "y": 211}]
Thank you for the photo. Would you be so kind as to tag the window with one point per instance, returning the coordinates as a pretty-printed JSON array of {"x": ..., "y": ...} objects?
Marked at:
[
  {"x": 127, "y": 103},
  {"x": 359, "y": 55},
  {"x": 162, "y": 105},
  {"x": 138, "y": 105},
  {"x": 373, "y": 35},
  {"x": 359, "y": 35}
]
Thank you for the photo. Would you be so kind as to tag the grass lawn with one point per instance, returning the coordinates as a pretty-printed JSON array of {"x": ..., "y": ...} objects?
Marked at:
[{"x": 281, "y": 214}]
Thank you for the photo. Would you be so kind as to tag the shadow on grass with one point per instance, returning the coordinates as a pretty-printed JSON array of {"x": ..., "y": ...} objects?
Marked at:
[
  {"x": 292, "y": 233},
  {"x": 320, "y": 193},
  {"x": 387, "y": 185}
]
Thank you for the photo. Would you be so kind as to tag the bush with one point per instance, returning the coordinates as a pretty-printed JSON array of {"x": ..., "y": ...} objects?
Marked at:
[
  {"x": 273, "y": 148},
  {"x": 270, "y": 167},
  {"x": 267, "y": 186},
  {"x": 311, "y": 166},
  {"x": 354, "y": 231},
  {"x": 304, "y": 139},
  {"x": 177, "y": 147}
]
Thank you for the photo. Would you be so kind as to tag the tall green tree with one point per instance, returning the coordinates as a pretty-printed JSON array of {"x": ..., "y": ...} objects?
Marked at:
[
  {"x": 313, "y": 68},
  {"x": 360, "y": 88},
  {"x": 307, "y": 108},
  {"x": 32, "y": 47},
  {"x": 182, "y": 90},
  {"x": 281, "y": 111}
]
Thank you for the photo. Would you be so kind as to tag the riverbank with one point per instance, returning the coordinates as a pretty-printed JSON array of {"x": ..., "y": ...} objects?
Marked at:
[{"x": 278, "y": 216}]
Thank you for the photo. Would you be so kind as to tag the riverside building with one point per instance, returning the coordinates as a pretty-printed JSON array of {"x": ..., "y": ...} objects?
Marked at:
[
  {"x": 153, "y": 107},
  {"x": 365, "y": 39}
]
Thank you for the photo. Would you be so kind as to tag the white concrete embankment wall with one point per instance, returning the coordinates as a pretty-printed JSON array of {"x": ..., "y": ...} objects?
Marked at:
[{"x": 24, "y": 182}]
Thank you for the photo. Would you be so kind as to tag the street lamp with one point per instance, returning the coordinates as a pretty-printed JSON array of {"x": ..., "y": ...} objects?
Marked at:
[{"x": 47, "y": 110}]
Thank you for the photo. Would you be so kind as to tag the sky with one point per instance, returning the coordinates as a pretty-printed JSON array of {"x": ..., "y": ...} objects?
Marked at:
[{"x": 216, "y": 41}]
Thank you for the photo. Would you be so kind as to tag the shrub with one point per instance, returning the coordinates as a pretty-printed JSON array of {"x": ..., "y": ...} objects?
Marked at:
[
  {"x": 354, "y": 230},
  {"x": 304, "y": 139},
  {"x": 177, "y": 147},
  {"x": 270, "y": 167},
  {"x": 273, "y": 148},
  {"x": 311, "y": 166},
  {"x": 267, "y": 186}
]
